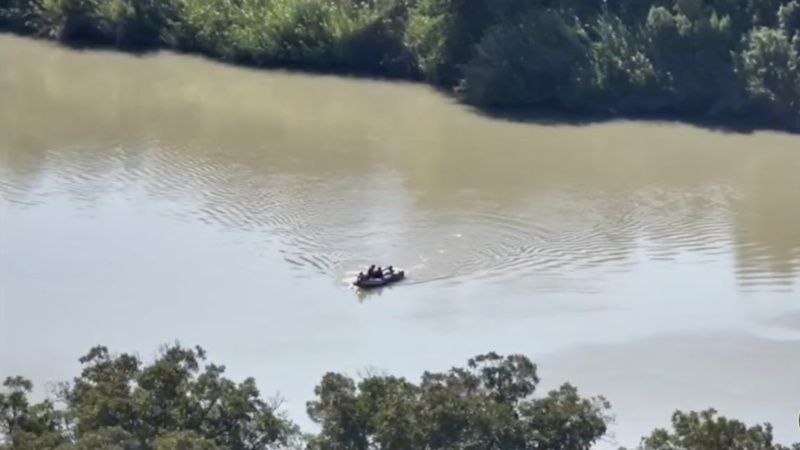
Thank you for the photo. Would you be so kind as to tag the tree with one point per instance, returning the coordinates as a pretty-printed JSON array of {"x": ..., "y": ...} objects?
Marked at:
[
  {"x": 111, "y": 438},
  {"x": 770, "y": 63},
  {"x": 443, "y": 33},
  {"x": 706, "y": 430},
  {"x": 789, "y": 18},
  {"x": 539, "y": 60},
  {"x": 173, "y": 403},
  {"x": 184, "y": 440},
  {"x": 178, "y": 402},
  {"x": 691, "y": 52},
  {"x": 489, "y": 404},
  {"x": 20, "y": 16},
  {"x": 27, "y": 426},
  {"x": 762, "y": 12},
  {"x": 624, "y": 74},
  {"x": 563, "y": 420}
]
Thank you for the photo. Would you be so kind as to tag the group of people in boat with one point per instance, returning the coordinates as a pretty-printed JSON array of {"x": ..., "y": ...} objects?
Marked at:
[{"x": 376, "y": 273}]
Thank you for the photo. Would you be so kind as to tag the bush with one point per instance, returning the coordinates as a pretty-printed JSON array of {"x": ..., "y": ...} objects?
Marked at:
[
  {"x": 443, "y": 33},
  {"x": 691, "y": 53},
  {"x": 323, "y": 34},
  {"x": 541, "y": 60},
  {"x": 770, "y": 64},
  {"x": 20, "y": 16},
  {"x": 789, "y": 18},
  {"x": 688, "y": 58},
  {"x": 379, "y": 46},
  {"x": 625, "y": 76},
  {"x": 82, "y": 21},
  {"x": 130, "y": 24}
]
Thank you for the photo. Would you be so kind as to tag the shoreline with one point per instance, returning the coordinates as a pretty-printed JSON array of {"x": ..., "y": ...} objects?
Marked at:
[{"x": 747, "y": 123}]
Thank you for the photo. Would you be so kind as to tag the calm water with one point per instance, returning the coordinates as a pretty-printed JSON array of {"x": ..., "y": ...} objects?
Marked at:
[{"x": 149, "y": 199}]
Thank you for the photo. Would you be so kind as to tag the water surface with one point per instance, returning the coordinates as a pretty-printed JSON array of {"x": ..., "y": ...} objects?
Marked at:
[{"x": 148, "y": 199}]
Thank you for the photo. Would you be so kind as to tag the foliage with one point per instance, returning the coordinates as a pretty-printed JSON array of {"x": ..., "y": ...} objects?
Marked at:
[
  {"x": 443, "y": 33},
  {"x": 355, "y": 34},
  {"x": 706, "y": 430},
  {"x": 487, "y": 405},
  {"x": 19, "y": 16},
  {"x": 624, "y": 74},
  {"x": 691, "y": 52},
  {"x": 684, "y": 58},
  {"x": 118, "y": 402},
  {"x": 27, "y": 426},
  {"x": 179, "y": 402},
  {"x": 771, "y": 67},
  {"x": 110, "y": 438},
  {"x": 540, "y": 60},
  {"x": 789, "y": 18}
]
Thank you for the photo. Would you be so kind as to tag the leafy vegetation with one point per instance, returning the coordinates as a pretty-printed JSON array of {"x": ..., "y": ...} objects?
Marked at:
[
  {"x": 706, "y": 430},
  {"x": 487, "y": 405},
  {"x": 117, "y": 402},
  {"x": 694, "y": 59},
  {"x": 181, "y": 402}
]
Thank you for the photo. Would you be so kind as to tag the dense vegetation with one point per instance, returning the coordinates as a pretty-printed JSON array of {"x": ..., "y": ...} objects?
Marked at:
[
  {"x": 700, "y": 59},
  {"x": 180, "y": 402}
]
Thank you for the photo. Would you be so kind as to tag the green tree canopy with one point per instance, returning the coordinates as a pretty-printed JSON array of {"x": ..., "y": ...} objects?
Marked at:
[
  {"x": 705, "y": 430},
  {"x": 180, "y": 402},
  {"x": 175, "y": 402},
  {"x": 770, "y": 63},
  {"x": 540, "y": 60},
  {"x": 28, "y": 426},
  {"x": 489, "y": 404}
]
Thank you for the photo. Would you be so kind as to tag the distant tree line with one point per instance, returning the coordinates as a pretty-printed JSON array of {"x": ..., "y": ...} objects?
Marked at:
[
  {"x": 181, "y": 402},
  {"x": 692, "y": 59}
]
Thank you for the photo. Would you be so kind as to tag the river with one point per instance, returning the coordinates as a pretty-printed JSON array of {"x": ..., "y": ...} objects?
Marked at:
[{"x": 148, "y": 199}]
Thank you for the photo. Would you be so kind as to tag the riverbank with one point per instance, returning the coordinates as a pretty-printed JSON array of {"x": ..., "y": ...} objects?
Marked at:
[{"x": 701, "y": 62}]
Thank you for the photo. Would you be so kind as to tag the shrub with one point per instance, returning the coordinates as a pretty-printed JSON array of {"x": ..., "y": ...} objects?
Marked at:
[
  {"x": 770, "y": 64},
  {"x": 541, "y": 60},
  {"x": 443, "y": 33},
  {"x": 625, "y": 75}
]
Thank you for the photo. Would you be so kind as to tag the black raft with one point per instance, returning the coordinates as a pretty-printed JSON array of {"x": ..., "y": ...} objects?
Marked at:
[{"x": 385, "y": 278}]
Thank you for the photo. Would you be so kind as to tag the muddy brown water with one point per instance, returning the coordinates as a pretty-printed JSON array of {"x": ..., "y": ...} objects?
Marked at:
[{"x": 149, "y": 199}]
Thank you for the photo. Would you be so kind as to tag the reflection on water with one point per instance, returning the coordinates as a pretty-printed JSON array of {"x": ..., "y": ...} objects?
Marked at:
[
  {"x": 164, "y": 182},
  {"x": 767, "y": 224}
]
